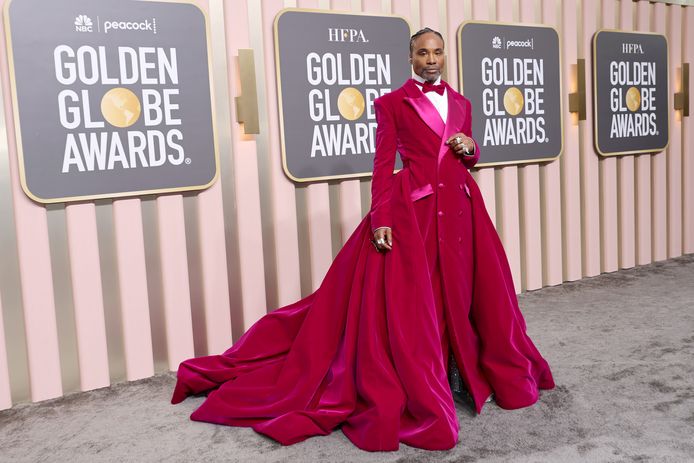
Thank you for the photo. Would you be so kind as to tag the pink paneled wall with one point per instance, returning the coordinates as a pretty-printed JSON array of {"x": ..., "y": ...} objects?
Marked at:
[{"x": 154, "y": 280}]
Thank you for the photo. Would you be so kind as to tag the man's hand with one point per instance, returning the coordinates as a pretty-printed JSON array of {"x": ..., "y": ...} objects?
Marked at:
[
  {"x": 383, "y": 238},
  {"x": 461, "y": 144}
]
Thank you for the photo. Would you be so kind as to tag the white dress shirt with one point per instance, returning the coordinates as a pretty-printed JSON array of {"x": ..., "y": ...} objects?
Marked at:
[{"x": 440, "y": 102}]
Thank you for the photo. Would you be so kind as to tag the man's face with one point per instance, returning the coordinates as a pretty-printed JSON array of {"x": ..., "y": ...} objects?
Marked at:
[{"x": 427, "y": 56}]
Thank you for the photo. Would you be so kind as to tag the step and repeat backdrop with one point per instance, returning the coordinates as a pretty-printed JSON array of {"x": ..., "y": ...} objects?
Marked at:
[
  {"x": 330, "y": 68},
  {"x": 170, "y": 170},
  {"x": 124, "y": 107}
]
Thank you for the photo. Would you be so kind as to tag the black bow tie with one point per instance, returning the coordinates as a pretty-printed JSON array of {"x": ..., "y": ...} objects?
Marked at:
[{"x": 429, "y": 87}]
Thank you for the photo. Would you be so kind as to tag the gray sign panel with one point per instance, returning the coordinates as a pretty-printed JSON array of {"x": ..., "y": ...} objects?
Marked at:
[
  {"x": 512, "y": 76},
  {"x": 111, "y": 98},
  {"x": 630, "y": 91},
  {"x": 330, "y": 68}
]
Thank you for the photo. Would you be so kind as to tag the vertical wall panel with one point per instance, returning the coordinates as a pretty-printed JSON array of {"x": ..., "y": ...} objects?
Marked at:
[
  {"x": 609, "y": 254},
  {"x": 14, "y": 338},
  {"x": 529, "y": 199},
  {"x": 205, "y": 216},
  {"x": 625, "y": 179},
  {"x": 87, "y": 296},
  {"x": 429, "y": 15},
  {"x": 688, "y": 139},
  {"x": 404, "y": 8},
  {"x": 415, "y": 19},
  {"x": 642, "y": 171},
  {"x": 454, "y": 16},
  {"x": 674, "y": 150},
  {"x": 155, "y": 284},
  {"x": 250, "y": 266},
  {"x": 213, "y": 270},
  {"x": 174, "y": 276},
  {"x": 5, "y": 392},
  {"x": 111, "y": 290},
  {"x": 132, "y": 279},
  {"x": 656, "y": 13},
  {"x": 484, "y": 176},
  {"x": 34, "y": 268},
  {"x": 550, "y": 181},
  {"x": 62, "y": 297},
  {"x": 349, "y": 208},
  {"x": 570, "y": 160},
  {"x": 506, "y": 181},
  {"x": 590, "y": 176},
  {"x": 349, "y": 212},
  {"x": 281, "y": 224},
  {"x": 316, "y": 213}
]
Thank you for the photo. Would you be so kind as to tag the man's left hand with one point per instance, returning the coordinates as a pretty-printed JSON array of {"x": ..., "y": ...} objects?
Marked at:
[{"x": 461, "y": 144}]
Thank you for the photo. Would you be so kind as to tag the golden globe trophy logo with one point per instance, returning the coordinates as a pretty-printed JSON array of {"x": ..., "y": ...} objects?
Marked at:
[
  {"x": 511, "y": 75},
  {"x": 331, "y": 68},
  {"x": 113, "y": 98},
  {"x": 630, "y": 90}
]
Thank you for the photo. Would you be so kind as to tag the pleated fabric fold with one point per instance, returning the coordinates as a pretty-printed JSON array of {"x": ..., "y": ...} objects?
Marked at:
[{"x": 364, "y": 352}]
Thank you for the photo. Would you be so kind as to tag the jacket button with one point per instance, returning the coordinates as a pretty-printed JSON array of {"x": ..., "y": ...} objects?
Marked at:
[
  {"x": 460, "y": 240},
  {"x": 440, "y": 213},
  {"x": 441, "y": 185},
  {"x": 460, "y": 186},
  {"x": 460, "y": 212}
]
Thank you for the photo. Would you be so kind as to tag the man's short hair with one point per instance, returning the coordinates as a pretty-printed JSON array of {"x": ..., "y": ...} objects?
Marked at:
[{"x": 422, "y": 32}]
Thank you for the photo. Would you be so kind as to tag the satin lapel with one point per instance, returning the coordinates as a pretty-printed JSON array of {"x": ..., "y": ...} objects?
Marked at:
[
  {"x": 454, "y": 119},
  {"x": 424, "y": 108},
  {"x": 456, "y": 114}
]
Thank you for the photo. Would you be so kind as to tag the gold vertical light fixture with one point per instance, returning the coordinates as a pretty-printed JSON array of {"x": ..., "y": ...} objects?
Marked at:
[
  {"x": 577, "y": 99},
  {"x": 682, "y": 97},
  {"x": 247, "y": 102}
]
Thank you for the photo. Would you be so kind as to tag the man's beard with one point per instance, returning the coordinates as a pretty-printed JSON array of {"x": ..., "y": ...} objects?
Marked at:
[{"x": 428, "y": 78}]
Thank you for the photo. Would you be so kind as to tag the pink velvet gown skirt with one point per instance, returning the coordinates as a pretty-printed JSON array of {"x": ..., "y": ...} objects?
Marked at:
[{"x": 368, "y": 351}]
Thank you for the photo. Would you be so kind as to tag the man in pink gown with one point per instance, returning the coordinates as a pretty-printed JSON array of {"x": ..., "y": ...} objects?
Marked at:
[{"x": 368, "y": 350}]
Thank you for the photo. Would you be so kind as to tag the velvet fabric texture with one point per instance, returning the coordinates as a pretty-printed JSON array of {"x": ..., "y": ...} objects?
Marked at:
[{"x": 368, "y": 350}]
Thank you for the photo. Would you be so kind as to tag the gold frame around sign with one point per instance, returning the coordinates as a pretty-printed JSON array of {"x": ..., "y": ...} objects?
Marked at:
[
  {"x": 561, "y": 85},
  {"x": 595, "y": 94},
  {"x": 279, "y": 88},
  {"x": 18, "y": 133}
]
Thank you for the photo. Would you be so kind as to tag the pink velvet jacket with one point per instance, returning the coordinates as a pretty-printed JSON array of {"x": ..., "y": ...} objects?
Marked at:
[{"x": 409, "y": 123}]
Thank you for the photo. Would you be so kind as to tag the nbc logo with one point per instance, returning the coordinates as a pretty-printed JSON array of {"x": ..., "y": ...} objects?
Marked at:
[
  {"x": 496, "y": 42},
  {"x": 83, "y": 23}
]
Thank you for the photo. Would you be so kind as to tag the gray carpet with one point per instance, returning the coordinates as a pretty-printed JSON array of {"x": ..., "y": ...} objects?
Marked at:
[{"x": 621, "y": 347}]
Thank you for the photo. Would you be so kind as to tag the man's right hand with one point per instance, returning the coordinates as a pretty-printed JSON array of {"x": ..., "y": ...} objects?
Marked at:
[{"x": 383, "y": 238}]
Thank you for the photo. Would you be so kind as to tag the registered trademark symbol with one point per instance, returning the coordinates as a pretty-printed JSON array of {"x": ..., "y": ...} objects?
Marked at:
[
  {"x": 657, "y": 133},
  {"x": 187, "y": 161}
]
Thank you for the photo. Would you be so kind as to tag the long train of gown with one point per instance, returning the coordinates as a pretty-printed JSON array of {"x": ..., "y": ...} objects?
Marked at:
[{"x": 365, "y": 352}]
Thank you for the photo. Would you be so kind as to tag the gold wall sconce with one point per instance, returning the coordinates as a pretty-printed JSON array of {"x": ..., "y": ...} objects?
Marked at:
[
  {"x": 577, "y": 99},
  {"x": 682, "y": 97},
  {"x": 247, "y": 102}
]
